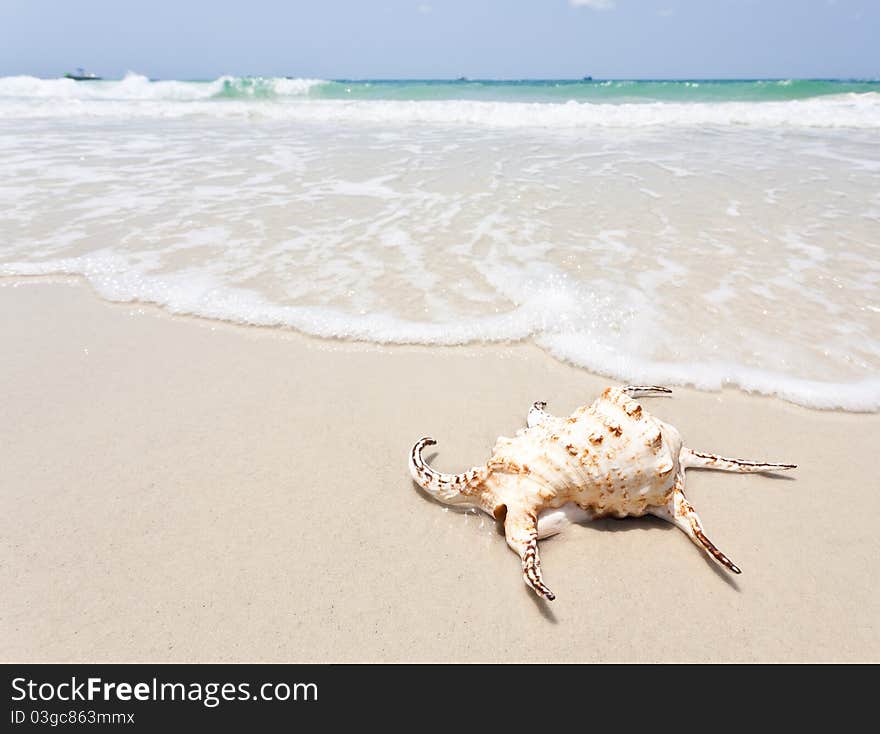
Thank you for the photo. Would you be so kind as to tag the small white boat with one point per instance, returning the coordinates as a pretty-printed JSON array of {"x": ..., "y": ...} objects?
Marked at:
[{"x": 81, "y": 75}]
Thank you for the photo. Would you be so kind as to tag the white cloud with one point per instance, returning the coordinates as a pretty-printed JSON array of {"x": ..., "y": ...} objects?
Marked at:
[{"x": 593, "y": 4}]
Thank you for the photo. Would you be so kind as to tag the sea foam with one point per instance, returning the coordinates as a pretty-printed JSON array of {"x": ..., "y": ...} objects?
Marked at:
[
  {"x": 136, "y": 87},
  {"x": 546, "y": 319},
  {"x": 744, "y": 253},
  {"x": 294, "y": 100}
]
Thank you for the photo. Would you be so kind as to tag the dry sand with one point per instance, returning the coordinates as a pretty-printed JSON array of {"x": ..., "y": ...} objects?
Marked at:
[{"x": 180, "y": 490}]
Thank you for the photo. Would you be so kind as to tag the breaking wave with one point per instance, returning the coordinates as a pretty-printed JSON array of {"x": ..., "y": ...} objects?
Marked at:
[
  {"x": 745, "y": 252},
  {"x": 496, "y": 105},
  {"x": 138, "y": 88}
]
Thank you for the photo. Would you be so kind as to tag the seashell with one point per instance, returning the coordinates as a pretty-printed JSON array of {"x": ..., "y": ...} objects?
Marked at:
[{"x": 608, "y": 459}]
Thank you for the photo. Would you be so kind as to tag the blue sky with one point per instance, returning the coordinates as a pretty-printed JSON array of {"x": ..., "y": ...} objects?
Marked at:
[{"x": 444, "y": 38}]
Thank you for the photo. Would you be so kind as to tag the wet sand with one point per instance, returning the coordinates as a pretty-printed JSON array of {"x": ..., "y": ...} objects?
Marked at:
[{"x": 176, "y": 489}]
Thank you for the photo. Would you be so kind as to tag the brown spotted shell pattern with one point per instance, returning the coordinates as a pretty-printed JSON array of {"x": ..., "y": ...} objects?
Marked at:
[{"x": 610, "y": 458}]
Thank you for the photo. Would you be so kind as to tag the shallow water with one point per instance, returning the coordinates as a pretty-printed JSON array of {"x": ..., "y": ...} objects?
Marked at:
[{"x": 653, "y": 236}]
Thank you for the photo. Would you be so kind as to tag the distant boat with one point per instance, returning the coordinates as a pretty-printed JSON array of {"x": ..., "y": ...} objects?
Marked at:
[
  {"x": 587, "y": 79},
  {"x": 462, "y": 79},
  {"x": 81, "y": 75}
]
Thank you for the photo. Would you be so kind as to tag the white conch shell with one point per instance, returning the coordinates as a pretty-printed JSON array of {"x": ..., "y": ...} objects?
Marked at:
[{"x": 611, "y": 458}]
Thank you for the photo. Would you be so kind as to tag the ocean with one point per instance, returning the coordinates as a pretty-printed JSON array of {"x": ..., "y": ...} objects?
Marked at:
[{"x": 708, "y": 233}]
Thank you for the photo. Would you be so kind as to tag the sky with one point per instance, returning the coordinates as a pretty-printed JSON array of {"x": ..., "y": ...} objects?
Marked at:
[{"x": 351, "y": 39}]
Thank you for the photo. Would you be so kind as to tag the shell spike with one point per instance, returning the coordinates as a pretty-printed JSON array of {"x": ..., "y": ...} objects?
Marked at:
[
  {"x": 450, "y": 489},
  {"x": 682, "y": 514},
  {"x": 537, "y": 414},
  {"x": 521, "y": 531},
  {"x": 635, "y": 391},
  {"x": 699, "y": 460}
]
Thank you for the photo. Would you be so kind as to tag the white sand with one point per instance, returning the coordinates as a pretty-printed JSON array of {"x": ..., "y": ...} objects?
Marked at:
[{"x": 179, "y": 490}]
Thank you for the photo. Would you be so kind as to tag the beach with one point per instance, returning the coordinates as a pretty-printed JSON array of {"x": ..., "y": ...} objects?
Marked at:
[
  {"x": 184, "y": 489},
  {"x": 712, "y": 234},
  {"x": 232, "y": 305}
]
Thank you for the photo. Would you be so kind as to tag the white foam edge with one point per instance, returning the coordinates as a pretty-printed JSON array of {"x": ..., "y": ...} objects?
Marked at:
[{"x": 201, "y": 297}]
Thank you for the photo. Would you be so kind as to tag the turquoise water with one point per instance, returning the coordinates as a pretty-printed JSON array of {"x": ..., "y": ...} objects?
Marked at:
[
  {"x": 535, "y": 102},
  {"x": 697, "y": 232},
  {"x": 559, "y": 90}
]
